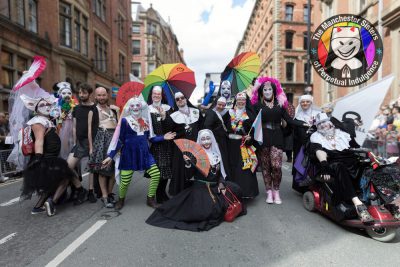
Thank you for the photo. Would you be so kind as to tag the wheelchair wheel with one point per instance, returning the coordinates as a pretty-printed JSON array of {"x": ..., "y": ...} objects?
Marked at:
[{"x": 309, "y": 201}]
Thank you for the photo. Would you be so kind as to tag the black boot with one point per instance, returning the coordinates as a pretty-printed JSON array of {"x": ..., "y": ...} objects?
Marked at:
[
  {"x": 151, "y": 202},
  {"x": 120, "y": 203}
]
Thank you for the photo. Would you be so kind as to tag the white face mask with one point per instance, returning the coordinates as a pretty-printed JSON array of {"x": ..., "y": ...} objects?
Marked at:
[
  {"x": 135, "y": 108},
  {"x": 268, "y": 92},
  {"x": 66, "y": 94},
  {"x": 44, "y": 108},
  {"x": 205, "y": 141},
  {"x": 226, "y": 90}
]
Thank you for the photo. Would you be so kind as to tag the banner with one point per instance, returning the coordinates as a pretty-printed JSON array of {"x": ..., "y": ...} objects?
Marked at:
[{"x": 365, "y": 102}]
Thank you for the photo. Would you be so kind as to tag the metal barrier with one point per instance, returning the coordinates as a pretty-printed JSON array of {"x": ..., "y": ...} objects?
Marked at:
[
  {"x": 6, "y": 168},
  {"x": 383, "y": 148}
]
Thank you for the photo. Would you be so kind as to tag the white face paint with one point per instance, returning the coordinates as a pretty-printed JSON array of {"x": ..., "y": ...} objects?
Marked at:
[
  {"x": 44, "y": 108},
  {"x": 135, "y": 108},
  {"x": 268, "y": 92},
  {"x": 55, "y": 111},
  {"x": 226, "y": 89},
  {"x": 326, "y": 128},
  {"x": 66, "y": 94},
  {"x": 205, "y": 141}
]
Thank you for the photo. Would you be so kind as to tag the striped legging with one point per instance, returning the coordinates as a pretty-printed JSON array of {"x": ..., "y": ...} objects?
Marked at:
[{"x": 126, "y": 178}]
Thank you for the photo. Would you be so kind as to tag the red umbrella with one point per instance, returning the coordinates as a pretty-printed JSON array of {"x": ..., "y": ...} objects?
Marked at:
[
  {"x": 127, "y": 91},
  {"x": 38, "y": 65}
]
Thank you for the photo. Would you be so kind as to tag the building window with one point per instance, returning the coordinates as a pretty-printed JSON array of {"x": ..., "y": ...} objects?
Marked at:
[
  {"x": 305, "y": 41},
  {"x": 136, "y": 47},
  {"x": 151, "y": 67},
  {"x": 289, "y": 12},
  {"x": 20, "y": 7},
  {"x": 7, "y": 71},
  {"x": 32, "y": 18},
  {"x": 5, "y": 8},
  {"x": 65, "y": 24},
  {"x": 12, "y": 67},
  {"x": 151, "y": 28},
  {"x": 100, "y": 9},
  {"x": 121, "y": 21},
  {"x": 289, "y": 40},
  {"x": 289, "y": 71},
  {"x": 136, "y": 28},
  {"x": 100, "y": 46},
  {"x": 136, "y": 69},
  {"x": 150, "y": 48},
  {"x": 305, "y": 13},
  {"x": 121, "y": 72},
  {"x": 85, "y": 36},
  {"x": 77, "y": 26}
]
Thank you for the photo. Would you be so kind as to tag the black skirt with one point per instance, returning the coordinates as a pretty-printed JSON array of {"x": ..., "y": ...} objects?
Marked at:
[
  {"x": 45, "y": 176},
  {"x": 197, "y": 208},
  {"x": 244, "y": 178}
]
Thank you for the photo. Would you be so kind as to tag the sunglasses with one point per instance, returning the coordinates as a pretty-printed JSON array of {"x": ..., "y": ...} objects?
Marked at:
[
  {"x": 180, "y": 98},
  {"x": 44, "y": 105}
]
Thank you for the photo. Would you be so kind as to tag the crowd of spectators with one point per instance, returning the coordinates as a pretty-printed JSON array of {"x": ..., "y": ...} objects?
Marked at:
[{"x": 384, "y": 135}]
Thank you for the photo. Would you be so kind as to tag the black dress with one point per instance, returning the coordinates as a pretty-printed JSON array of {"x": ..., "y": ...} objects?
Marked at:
[
  {"x": 180, "y": 174},
  {"x": 45, "y": 174},
  {"x": 217, "y": 126},
  {"x": 246, "y": 179},
  {"x": 197, "y": 208},
  {"x": 343, "y": 166},
  {"x": 162, "y": 151}
]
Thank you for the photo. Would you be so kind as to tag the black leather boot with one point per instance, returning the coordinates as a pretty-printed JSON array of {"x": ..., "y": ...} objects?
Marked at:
[
  {"x": 120, "y": 203},
  {"x": 151, "y": 202}
]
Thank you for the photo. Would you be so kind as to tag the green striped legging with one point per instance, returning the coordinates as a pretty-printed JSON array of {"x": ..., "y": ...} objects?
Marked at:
[{"x": 126, "y": 178}]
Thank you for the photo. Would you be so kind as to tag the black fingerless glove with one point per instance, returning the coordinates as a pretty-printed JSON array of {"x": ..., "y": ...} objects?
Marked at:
[{"x": 325, "y": 170}]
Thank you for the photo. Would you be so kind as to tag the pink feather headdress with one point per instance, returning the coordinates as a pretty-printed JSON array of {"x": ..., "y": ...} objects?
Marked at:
[{"x": 280, "y": 94}]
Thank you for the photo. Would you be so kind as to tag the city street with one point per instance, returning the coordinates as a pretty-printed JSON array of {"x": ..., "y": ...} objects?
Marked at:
[{"x": 270, "y": 235}]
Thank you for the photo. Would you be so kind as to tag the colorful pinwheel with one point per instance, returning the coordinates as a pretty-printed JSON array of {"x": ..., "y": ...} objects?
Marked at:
[
  {"x": 241, "y": 71},
  {"x": 38, "y": 65},
  {"x": 172, "y": 78}
]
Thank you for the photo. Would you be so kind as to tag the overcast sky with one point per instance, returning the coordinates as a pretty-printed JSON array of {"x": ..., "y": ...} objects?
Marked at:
[{"x": 207, "y": 30}]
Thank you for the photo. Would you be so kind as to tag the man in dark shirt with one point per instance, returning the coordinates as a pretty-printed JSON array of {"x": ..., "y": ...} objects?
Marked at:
[{"x": 80, "y": 151}]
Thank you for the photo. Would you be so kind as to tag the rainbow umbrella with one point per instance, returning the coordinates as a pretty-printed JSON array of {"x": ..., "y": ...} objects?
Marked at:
[
  {"x": 172, "y": 78},
  {"x": 241, "y": 71}
]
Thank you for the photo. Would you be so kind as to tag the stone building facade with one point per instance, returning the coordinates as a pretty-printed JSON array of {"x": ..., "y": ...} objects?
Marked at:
[
  {"x": 83, "y": 41},
  {"x": 153, "y": 41}
]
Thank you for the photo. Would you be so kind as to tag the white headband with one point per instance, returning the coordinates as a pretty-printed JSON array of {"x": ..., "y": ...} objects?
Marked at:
[
  {"x": 178, "y": 94},
  {"x": 241, "y": 95},
  {"x": 307, "y": 98},
  {"x": 157, "y": 88},
  {"x": 63, "y": 86},
  {"x": 222, "y": 99}
]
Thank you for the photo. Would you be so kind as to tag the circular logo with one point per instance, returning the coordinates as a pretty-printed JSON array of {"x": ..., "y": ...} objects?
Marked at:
[{"x": 346, "y": 50}]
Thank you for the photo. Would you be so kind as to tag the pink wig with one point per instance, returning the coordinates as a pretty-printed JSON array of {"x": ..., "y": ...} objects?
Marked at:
[{"x": 280, "y": 95}]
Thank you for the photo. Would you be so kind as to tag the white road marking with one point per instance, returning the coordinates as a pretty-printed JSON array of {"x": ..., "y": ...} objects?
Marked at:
[
  {"x": 7, "y": 238},
  {"x": 77, "y": 242},
  {"x": 10, "y": 202}
]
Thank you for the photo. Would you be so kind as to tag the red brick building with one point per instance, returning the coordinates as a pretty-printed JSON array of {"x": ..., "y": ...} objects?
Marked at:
[
  {"x": 277, "y": 32},
  {"x": 83, "y": 41},
  {"x": 153, "y": 41}
]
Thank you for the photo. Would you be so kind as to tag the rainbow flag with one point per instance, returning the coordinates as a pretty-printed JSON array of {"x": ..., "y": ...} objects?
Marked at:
[{"x": 258, "y": 132}]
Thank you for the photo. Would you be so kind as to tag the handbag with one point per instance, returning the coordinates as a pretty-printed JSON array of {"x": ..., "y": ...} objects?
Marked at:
[{"x": 234, "y": 206}]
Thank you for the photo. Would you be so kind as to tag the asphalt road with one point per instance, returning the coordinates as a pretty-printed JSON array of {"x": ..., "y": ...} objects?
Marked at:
[{"x": 269, "y": 235}]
